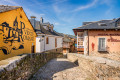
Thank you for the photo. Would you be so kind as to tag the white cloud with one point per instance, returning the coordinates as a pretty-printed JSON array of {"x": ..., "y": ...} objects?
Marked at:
[
  {"x": 56, "y": 23},
  {"x": 109, "y": 3},
  {"x": 9, "y": 2},
  {"x": 56, "y": 5},
  {"x": 86, "y": 6},
  {"x": 31, "y": 13},
  {"x": 56, "y": 9}
]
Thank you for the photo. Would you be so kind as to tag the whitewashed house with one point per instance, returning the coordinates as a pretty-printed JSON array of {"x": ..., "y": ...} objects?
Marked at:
[{"x": 48, "y": 39}]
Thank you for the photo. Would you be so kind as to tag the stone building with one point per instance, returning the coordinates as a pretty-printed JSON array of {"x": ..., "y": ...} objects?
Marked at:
[
  {"x": 98, "y": 37},
  {"x": 69, "y": 44},
  {"x": 17, "y": 35},
  {"x": 48, "y": 39}
]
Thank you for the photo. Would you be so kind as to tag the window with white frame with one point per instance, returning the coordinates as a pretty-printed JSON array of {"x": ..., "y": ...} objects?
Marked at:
[
  {"x": 80, "y": 40},
  {"x": 101, "y": 44}
]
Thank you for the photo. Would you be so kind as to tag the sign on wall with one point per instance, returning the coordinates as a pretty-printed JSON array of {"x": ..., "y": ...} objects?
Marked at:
[
  {"x": 111, "y": 38},
  {"x": 109, "y": 34}
]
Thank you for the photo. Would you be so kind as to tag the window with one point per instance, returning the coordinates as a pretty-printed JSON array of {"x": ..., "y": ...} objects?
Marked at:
[
  {"x": 118, "y": 23},
  {"x": 55, "y": 42},
  {"x": 102, "y": 24},
  {"x": 47, "y": 40},
  {"x": 20, "y": 16},
  {"x": 101, "y": 44}
]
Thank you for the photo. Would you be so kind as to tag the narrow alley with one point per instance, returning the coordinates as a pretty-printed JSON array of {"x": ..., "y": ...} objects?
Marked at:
[{"x": 61, "y": 69}]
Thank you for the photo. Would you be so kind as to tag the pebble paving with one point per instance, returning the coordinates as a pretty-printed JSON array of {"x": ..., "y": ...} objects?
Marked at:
[{"x": 60, "y": 69}]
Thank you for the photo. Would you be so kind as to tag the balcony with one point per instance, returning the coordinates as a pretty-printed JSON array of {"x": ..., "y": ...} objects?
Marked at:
[{"x": 80, "y": 49}]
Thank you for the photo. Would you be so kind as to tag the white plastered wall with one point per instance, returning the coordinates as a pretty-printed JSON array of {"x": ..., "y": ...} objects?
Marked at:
[
  {"x": 41, "y": 46},
  {"x": 37, "y": 45},
  {"x": 85, "y": 43},
  {"x": 51, "y": 44}
]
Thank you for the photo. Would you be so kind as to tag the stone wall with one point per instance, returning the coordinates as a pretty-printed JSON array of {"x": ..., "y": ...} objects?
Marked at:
[
  {"x": 22, "y": 67},
  {"x": 57, "y": 50},
  {"x": 113, "y": 56},
  {"x": 100, "y": 68}
]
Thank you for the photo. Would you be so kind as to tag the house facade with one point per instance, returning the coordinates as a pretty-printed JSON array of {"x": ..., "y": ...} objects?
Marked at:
[
  {"x": 98, "y": 37},
  {"x": 48, "y": 39},
  {"x": 69, "y": 44},
  {"x": 17, "y": 35}
]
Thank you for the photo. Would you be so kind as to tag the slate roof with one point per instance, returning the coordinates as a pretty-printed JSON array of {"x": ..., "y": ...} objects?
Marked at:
[
  {"x": 4, "y": 8},
  {"x": 66, "y": 39},
  {"x": 44, "y": 31},
  {"x": 60, "y": 34},
  {"x": 103, "y": 24},
  {"x": 40, "y": 29}
]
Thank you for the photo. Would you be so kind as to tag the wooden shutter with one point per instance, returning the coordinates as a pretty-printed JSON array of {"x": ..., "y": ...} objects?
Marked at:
[
  {"x": 55, "y": 42},
  {"x": 47, "y": 40}
]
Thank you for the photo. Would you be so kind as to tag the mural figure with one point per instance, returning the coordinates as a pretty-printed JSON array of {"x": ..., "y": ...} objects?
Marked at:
[{"x": 11, "y": 35}]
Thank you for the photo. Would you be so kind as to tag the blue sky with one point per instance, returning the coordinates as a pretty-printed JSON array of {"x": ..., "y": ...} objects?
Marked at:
[{"x": 68, "y": 14}]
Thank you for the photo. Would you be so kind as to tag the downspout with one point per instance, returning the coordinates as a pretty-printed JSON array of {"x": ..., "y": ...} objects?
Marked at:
[
  {"x": 88, "y": 41},
  {"x": 44, "y": 42}
]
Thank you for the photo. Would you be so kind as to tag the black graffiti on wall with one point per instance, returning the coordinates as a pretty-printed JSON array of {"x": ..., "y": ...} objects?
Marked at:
[{"x": 12, "y": 35}]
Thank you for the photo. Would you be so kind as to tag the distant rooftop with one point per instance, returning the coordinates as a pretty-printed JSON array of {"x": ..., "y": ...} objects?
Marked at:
[{"x": 102, "y": 24}]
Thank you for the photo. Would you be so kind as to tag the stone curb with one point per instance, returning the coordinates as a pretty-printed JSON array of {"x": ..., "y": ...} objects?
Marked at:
[{"x": 100, "y": 60}]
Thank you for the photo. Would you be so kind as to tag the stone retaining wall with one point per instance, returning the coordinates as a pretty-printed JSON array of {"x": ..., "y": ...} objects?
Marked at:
[
  {"x": 100, "y": 68},
  {"x": 57, "y": 50},
  {"x": 22, "y": 67}
]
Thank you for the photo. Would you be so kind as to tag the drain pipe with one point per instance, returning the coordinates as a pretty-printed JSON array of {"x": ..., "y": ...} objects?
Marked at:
[
  {"x": 44, "y": 42},
  {"x": 88, "y": 41}
]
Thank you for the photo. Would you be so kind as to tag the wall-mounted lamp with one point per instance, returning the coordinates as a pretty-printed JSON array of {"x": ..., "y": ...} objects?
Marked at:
[{"x": 41, "y": 39}]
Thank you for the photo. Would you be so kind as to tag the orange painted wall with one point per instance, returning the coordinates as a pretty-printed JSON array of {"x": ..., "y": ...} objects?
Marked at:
[
  {"x": 16, "y": 34},
  {"x": 111, "y": 46}
]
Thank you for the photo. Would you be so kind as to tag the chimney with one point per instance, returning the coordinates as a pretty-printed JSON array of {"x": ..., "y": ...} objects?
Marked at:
[
  {"x": 114, "y": 18},
  {"x": 41, "y": 20},
  {"x": 33, "y": 20}
]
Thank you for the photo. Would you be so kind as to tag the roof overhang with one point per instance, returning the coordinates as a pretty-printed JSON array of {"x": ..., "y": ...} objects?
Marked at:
[{"x": 77, "y": 30}]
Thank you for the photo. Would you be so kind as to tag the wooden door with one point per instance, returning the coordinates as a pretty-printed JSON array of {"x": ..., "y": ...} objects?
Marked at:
[{"x": 32, "y": 49}]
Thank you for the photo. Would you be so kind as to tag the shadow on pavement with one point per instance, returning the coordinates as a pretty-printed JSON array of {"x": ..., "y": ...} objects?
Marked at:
[{"x": 56, "y": 65}]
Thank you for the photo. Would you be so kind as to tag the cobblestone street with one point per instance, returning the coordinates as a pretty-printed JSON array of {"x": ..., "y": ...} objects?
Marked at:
[{"x": 60, "y": 69}]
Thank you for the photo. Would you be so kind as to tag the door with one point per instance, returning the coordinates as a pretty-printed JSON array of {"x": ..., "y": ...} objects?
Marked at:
[{"x": 32, "y": 49}]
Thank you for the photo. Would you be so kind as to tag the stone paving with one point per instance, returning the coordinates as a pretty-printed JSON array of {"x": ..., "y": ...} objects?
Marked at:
[{"x": 61, "y": 69}]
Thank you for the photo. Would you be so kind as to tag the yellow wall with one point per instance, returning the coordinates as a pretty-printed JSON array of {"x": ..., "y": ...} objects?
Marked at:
[{"x": 16, "y": 34}]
